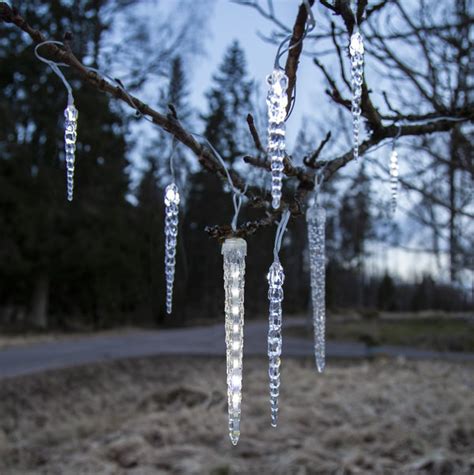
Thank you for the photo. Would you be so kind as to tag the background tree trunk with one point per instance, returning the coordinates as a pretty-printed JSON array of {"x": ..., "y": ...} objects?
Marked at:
[
  {"x": 453, "y": 248},
  {"x": 39, "y": 302}
]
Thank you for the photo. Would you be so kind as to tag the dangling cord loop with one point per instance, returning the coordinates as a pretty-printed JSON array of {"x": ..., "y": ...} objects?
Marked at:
[
  {"x": 311, "y": 19},
  {"x": 308, "y": 28},
  {"x": 55, "y": 67},
  {"x": 310, "y": 25},
  {"x": 280, "y": 53},
  {"x": 285, "y": 217},
  {"x": 237, "y": 195}
]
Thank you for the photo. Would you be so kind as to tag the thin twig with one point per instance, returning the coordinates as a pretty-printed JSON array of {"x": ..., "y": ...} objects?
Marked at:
[
  {"x": 254, "y": 133},
  {"x": 311, "y": 159}
]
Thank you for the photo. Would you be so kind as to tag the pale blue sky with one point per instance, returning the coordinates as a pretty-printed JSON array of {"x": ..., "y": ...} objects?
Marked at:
[{"x": 230, "y": 21}]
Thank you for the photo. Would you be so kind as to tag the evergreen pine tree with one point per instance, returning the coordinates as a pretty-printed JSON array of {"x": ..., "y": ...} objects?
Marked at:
[
  {"x": 178, "y": 93},
  {"x": 149, "y": 216},
  {"x": 178, "y": 96},
  {"x": 386, "y": 293},
  {"x": 355, "y": 223},
  {"x": 71, "y": 248},
  {"x": 355, "y": 220},
  {"x": 229, "y": 103}
]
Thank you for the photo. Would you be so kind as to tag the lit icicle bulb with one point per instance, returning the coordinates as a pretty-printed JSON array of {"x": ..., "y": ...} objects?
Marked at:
[
  {"x": 277, "y": 100},
  {"x": 234, "y": 251},
  {"x": 70, "y": 137},
  {"x": 356, "y": 50},
  {"x": 316, "y": 219},
  {"x": 171, "y": 235},
  {"x": 394, "y": 179},
  {"x": 275, "y": 279}
]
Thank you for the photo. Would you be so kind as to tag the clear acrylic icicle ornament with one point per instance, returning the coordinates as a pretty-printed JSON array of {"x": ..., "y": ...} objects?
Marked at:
[
  {"x": 277, "y": 101},
  {"x": 234, "y": 251},
  {"x": 393, "y": 179},
  {"x": 70, "y": 115},
  {"x": 356, "y": 51},
  {"x": 276, "y": 278},
  {"x": 172, "y": 199},
  {"x": 70, "y": 136},
  {"x": 316, "y": 221}
]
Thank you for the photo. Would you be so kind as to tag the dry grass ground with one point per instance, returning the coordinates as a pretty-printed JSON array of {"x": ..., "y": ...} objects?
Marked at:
[{"x": 162, "y": 415}]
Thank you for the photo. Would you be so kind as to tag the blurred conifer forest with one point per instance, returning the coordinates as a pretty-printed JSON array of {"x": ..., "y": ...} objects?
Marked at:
[{"x": 99, "y": 261}]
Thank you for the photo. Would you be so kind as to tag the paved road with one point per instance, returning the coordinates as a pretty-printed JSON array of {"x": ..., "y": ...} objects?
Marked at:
[{"x": 205, "y": 341}]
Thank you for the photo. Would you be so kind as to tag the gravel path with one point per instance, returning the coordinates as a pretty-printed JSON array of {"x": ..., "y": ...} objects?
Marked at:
[{"x": 204, "y": 341}]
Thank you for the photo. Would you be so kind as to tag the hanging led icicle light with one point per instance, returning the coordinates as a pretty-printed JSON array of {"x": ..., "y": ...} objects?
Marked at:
[
  {"x": 394, "y": 179},
  {"x": 172, "y": 199},
  {"x": 275, "y": 277},
  {"x": 70, "y": 137},
  {"x": 277, "y": 100},
  {"x": 234, "y": 251},
  {"x": 316, "y": 221},
  {"x": 356, "y": 50},
  {"x": 70, "y": 124}
]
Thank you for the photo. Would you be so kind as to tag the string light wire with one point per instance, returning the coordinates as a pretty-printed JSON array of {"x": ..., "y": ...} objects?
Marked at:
[{"x": 237, "y": 195}]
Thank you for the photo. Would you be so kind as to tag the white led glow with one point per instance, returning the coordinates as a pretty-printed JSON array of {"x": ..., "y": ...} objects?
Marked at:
[
  {"x": 70, "y": 136},
  {"x": 171, "y": 236},
  {"x": 234, "y": 251}
]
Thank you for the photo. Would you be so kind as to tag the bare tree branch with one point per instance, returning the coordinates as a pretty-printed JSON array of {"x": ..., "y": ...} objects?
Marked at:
[
  {"x": 294, "y": 53},
  {"x": 170, "y": 124},
  {"x": 310, "y": 161},
  {"x": 432, "y": 121}
]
